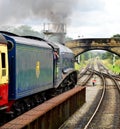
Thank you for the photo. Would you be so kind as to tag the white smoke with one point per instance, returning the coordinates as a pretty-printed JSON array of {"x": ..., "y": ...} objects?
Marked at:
[{"x": 16, "y": 11}]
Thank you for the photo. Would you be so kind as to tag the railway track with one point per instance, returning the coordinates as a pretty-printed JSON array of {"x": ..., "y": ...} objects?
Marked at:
[
  {"x": 85, "y": 75},
  {"x": 104, "y": 111}
]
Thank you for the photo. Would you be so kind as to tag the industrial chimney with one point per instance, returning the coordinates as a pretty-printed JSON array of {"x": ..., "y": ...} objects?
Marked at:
[{"x": 56, "y": 31}]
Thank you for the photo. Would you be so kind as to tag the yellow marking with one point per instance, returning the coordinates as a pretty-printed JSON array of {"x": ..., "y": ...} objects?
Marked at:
[{"x": 37, "y": 69}]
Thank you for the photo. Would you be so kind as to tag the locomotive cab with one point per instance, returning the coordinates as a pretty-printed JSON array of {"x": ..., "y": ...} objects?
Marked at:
[
  {"x": 55, "y": 65},
  {"x": 66, "y": 74}
]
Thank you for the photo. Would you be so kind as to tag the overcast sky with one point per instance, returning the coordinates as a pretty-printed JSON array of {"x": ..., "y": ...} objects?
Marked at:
[
  {"x": 84, "y": 18},
  {"x": 95, "y": 18}
]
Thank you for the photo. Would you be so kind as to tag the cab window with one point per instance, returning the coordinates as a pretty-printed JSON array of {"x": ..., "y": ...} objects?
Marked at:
[{"x": 3, "y": 64}]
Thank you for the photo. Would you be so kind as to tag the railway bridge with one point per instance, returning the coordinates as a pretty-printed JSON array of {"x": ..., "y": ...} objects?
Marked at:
[{"x": 79, "y": 46}]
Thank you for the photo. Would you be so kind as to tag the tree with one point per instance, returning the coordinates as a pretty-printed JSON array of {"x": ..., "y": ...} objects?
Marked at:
[
  {"x": 68, "y": 39},
  {"x": 22, "y": 30},
  {"x": 26, "y": 30},
  {"x": 116, "y": 36}
]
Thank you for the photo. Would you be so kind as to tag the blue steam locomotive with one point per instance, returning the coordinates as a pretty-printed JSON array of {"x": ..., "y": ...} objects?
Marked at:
[{"x": 38, "y": 69}]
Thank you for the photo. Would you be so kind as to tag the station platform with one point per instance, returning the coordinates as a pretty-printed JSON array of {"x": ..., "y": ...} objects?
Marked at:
[{"x": 76, "y": 121}]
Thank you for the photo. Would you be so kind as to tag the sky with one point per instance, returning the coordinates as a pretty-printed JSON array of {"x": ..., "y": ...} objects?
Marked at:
[
  {"x": 96, "y": 18},
  {"x": 83, "y": 18}
]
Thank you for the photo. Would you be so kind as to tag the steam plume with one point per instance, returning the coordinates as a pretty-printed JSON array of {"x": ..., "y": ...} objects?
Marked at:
[{"x": 16, "y": 11}]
